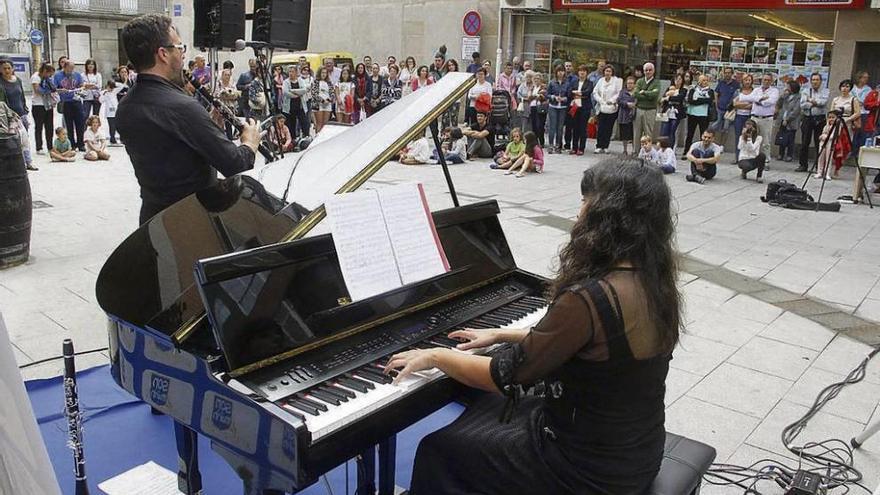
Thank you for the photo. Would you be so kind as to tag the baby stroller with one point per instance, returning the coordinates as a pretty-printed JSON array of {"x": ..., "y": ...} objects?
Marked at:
[{"x": 499, "y": 118}]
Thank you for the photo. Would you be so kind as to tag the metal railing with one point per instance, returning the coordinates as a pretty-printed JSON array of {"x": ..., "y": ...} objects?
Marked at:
[{"x": 109, "y": 7}]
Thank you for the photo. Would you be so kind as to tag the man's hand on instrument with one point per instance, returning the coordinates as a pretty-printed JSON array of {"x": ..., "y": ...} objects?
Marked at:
[
  {"x": 409, "y": 362},
  {"x": 475, "y": 339},
  {"x": 250, "y": 134}
]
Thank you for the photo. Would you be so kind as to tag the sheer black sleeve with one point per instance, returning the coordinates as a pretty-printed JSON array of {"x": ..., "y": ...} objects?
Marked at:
[{"x": 565, "y": 329}]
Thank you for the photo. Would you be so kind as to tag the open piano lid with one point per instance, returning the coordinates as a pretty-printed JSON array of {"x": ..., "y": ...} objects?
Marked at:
[{"x": 148, "y": 279}]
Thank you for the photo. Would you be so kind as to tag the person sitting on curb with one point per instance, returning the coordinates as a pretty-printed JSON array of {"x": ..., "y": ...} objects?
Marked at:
[
  {"x": 481, "y": 140},
  {"x": 750, "y": 155},
  {"x": 703, "y": 156},
  {"x": 62, "y": 150},
  {"x": 532, "y": 160}
]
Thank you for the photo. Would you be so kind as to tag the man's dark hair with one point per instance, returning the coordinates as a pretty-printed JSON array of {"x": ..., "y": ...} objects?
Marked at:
[
  {"x": 710, "y": 132},
  {"x": 143, "y": 36},
  {"x": 475, "y": 55},
  {"x": 228, "y": 65}
]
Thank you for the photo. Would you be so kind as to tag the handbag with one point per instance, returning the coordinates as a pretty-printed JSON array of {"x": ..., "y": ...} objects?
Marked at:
[
  {"x": 780, "y": 138},
  {"x": 730, "y": 115},
  {"x": 662, "y": 117}
]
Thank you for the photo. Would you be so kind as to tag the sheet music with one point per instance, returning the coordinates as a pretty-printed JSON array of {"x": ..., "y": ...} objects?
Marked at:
[
  {"x": 411, "y": 230},
  {"x": 362, "y": 244},
  {"x": 146, "y": 479}
]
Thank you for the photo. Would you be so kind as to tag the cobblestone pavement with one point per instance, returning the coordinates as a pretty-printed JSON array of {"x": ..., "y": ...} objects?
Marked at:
[{"x": 779, "y": 303}]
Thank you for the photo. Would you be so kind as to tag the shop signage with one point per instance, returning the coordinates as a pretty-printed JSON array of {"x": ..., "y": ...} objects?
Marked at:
[
  {"x": 738, "y": 51},
  {"x": 472, "y": 23},
  {"x": 784, "y": 52},
  {"x": 711, "y": 4},
  {"x": 761, "y": 52},
  {"x": 594, "y": 25},
  {"x": 714, "y": 50},
  {"x": 815, "y": 54}
]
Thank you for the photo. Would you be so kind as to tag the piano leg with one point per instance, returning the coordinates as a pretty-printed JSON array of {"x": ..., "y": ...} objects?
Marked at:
[
  {"x": 366, "y": 472},
  {"x": 387, "y": 467},
  {"x": 189, "y": 481}
]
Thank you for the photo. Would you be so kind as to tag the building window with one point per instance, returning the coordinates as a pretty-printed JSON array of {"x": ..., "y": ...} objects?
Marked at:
[{"x": 79, "y": 43}]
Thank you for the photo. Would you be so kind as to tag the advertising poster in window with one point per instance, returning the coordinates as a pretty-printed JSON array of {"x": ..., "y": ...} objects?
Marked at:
[
  {"x": 738, "y": 52},
  {"x": 815, "y": 53},
  {"x": 785, "y": 52},
  {"x": 761, "y": 52},
  {"x": 714, "y": 51}
]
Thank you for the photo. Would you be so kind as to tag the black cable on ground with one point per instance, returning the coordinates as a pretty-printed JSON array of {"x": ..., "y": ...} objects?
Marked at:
[
  {"x": 53, "y": 358},
  {"x": 831, "y": 460}
]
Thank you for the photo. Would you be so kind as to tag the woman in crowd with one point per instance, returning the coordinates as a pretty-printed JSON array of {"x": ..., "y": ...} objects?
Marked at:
[
  {"x": 278, "y": 82},
  {"x": 345, "y": 96},
  {"x": 507, "y": 82},
  {"x": 360, "y": 91},
  {"x": 606, "y": 93},
  {"x": 850, "y": 106},
  {"x": 43, "y": 100},
  {"x": 392, "y": 88},
  {"x": 699, "y": 99},
  {"x": 790, "y": 115},
  {"x": 62, "y": 60},
  {"x": 450, "y": 116},
  {"x": 581, "y": 97},
  {"x": 490, "y": 74},
  {"x": 408, "y": 73},
  {"x": 322, "y": 98},
  {"x": 602, "y": 350},
  {"x": 626, "y": 104},
  {"x": 524, "y": 106},
  {"x": 538, "y": 106},
  {"x": 305, "y": 81},
  {"x": 421, "y": 80},
  {"x": 750, "y": 155},
  {"x": 227, "y": 94},
  {"x": 480, "y": 88},
  {"x": 672, "y": 106},
  {"x": 121, "y": 78},
  {"x": 557, "y": 95},
  {"x": 92, "y": 85},
  {"x": 374, "y": 91},
  {"x": 743, "y": 105},
  {"x": 12, "y": 89}
]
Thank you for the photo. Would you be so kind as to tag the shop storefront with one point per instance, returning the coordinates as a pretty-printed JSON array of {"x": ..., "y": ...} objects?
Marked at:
[{"x": 790, "y": 38}]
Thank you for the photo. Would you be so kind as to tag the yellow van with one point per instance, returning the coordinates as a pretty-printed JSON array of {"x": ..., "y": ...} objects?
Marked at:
[{"x": 315, "y": 60}]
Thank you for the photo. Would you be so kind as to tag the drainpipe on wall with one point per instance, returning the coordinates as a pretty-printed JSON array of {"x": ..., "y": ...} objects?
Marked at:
[
  {"x": 48, "y": 33},
  {"x": 499, "y": 52}
]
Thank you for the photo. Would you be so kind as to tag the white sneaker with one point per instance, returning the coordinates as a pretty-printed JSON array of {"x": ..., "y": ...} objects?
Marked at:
[
  {"x": 41, "y": 152},
  {"x": 604, "y": 151},
  {"x": 597, "y": 151}
]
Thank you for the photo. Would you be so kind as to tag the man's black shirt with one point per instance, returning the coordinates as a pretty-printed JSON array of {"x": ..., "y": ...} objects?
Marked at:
[{"x": 174, "y": 146}]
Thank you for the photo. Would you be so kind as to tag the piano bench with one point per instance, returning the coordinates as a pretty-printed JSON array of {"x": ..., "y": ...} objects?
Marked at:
[{"x": 684, "y": 463}]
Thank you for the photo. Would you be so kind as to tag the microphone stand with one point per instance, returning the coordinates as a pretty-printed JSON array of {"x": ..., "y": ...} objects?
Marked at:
[{"x": 269, "y": 94}]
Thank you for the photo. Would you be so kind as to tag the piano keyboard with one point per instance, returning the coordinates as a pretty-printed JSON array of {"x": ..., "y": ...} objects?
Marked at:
[{"x": 344, "y": 399}]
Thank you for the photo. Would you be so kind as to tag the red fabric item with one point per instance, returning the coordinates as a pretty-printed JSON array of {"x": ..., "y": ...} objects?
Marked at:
[
  {"x": 483, "y": 103},
  {"x": 872, "y": 104},
  {"x": 842, "y": 148},
  {"x": 592, "y": 129}
]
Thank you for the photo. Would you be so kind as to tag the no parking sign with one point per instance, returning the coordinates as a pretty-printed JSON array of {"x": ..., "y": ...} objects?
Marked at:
[{"x": 472, "y": 23}]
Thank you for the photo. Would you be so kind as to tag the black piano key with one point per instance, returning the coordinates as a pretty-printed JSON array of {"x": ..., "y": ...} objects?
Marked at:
[
  {"x": 317, "y": 405},
  {"x": 292, "y": 410},
  {"x": 373, "y": 376},
  {"x": 325, "y": 396},
  {"x": 339, "y": 391},
  {"x": 496, "y": 321},
  {"x": 303, "y": 406},
  {"x": 507, "y": 313},
  {"x": 438, "y": 341},
  {"x": 355, "y": 383},
  {"x": 478, "y": 324}
]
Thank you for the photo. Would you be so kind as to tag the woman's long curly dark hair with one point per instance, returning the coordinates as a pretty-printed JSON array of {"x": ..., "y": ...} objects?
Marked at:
[{"x": 628, "y": 218}]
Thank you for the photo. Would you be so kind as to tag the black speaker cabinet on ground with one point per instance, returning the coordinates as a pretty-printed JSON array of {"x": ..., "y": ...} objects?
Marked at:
[
  {"x": 218, "y": 23},
  {"x": 282, "y": 23}
]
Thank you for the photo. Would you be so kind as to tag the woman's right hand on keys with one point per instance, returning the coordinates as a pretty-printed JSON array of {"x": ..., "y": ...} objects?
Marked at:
[{"x": 475, "y": 339}]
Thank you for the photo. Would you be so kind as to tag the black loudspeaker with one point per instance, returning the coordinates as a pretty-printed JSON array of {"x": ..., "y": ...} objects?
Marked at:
[
  {"x": 218, "y": 23},
  {"x": 282, "y": 23}
]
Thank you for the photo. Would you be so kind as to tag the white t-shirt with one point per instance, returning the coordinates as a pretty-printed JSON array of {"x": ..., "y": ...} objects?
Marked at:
[
  {"x": 109, "y": 102},
  {"x": 92, "y": 79},
  {"x": 714, "y": 147},
  {"x": 36, "y": 97},
  {"x": 749, "y": 149},
  {"x": 666, "y": 157},
  {"x": 419, "y": 150},
  {"x": 651, "y": 155},
  {"x": 96, "y": 138},
  {"x": 478, "y": 89}
]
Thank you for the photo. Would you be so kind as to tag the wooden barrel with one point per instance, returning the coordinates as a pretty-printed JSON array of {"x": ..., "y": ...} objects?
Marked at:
[{"x": 15, "y": 204}]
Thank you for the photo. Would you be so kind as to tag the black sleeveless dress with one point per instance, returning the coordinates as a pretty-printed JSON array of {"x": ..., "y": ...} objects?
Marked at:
[{"x": 598, "y": 429}]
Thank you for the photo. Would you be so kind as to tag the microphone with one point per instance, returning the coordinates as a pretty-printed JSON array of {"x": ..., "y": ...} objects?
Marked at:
[{"x": 242, "y": 44}]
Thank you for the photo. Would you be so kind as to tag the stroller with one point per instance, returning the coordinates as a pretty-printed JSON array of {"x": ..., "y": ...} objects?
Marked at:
[{"x": 499, "y": 118}]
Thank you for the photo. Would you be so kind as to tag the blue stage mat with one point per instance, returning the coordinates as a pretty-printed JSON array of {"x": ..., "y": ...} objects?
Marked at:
[{"x": 120, "y": 433}]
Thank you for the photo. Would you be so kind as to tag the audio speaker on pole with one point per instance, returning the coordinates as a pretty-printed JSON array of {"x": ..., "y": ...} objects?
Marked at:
[
  {"x": 218, "y": 23},
  {"x": 282, "y": 23}
]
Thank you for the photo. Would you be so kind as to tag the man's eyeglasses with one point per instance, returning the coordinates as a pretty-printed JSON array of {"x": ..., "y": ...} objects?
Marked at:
[{"x": 179, "y": 46}]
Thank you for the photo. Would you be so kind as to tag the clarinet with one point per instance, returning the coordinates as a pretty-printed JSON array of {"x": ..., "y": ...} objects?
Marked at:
[
  {"x": 74, "y": 418},
  {"x": 229, "y": 117}
]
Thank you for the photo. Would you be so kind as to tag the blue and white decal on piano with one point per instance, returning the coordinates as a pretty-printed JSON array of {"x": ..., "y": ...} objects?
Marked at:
[
  {"x": 166, "y": 354},
  {"x": 169, "y": 395},
  {"x": 126, "y": 374},
  {"x": 127, "y": 337},
  {"x": 230, "y": 421},
  {"x": 282, "y": 444}
]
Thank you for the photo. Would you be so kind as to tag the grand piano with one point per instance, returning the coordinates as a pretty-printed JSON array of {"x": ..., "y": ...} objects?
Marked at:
[{"x": 228, "y": 316}]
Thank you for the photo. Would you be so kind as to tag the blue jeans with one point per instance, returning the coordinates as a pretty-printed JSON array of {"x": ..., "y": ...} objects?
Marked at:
[
  {"x": 709, "y": 170},
  {"x": 449, "y": 157},
  {"x": 738, "y": 125},
  {"x": 667, "y": 130},
  {"x": 555, "y": 121}
]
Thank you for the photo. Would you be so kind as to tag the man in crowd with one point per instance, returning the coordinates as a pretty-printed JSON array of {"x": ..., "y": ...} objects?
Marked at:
[
  {"x": 244, "y": 84},
  {"x": 201, "y": 72},
  {"x": 332, "y": 70},
  {"x": 703, "y": 156},
  {"x": 725, "y": 90},
  {"x": 383, "y": 71},
  {"x": 647, "y": 94},
  {"x": 568, "y": 125},
  {"x": 481, "y": 140},
  {"x": 475, "y": 64},
  {"x": 814, "y": 100},
  {"x": 763, "y": 111},
  {"x": 598, "y": 73},
  {"x": 175, "y": 147},
  {"x": 69, "y": 84},
  {"x": 438, "y": 68}
]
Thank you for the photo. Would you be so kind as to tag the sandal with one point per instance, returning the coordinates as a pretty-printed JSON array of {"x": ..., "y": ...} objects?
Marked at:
[
  {"x": 509, "y": 172},
  {"x": 520, "y": 175}
]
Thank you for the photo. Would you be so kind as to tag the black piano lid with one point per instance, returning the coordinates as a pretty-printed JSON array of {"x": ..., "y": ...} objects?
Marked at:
[
  {"x": 147, "y": 280},
  {"x": 267, "y": 302}
]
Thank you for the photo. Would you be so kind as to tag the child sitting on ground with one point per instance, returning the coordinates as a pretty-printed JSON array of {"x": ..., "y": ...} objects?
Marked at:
[
  {"x": 454, "y": 148},
  {"x": 96, "y": 143},
  {"x": 62, "y": 150},
  {"x": 647, "y": 152},
  {"x": 417, "y": 152},
  {"x": 532, "y": 159},
  {"x": 515, "y": 148},
  {"x": 666, "y": 157}
]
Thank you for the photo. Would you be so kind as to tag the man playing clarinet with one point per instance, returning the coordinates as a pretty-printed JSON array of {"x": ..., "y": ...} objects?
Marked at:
[{"x": 174, "y": 146}]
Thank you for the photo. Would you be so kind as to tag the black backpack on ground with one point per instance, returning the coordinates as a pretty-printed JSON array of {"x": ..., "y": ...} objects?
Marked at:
[{"x": 787, "y": 195}]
